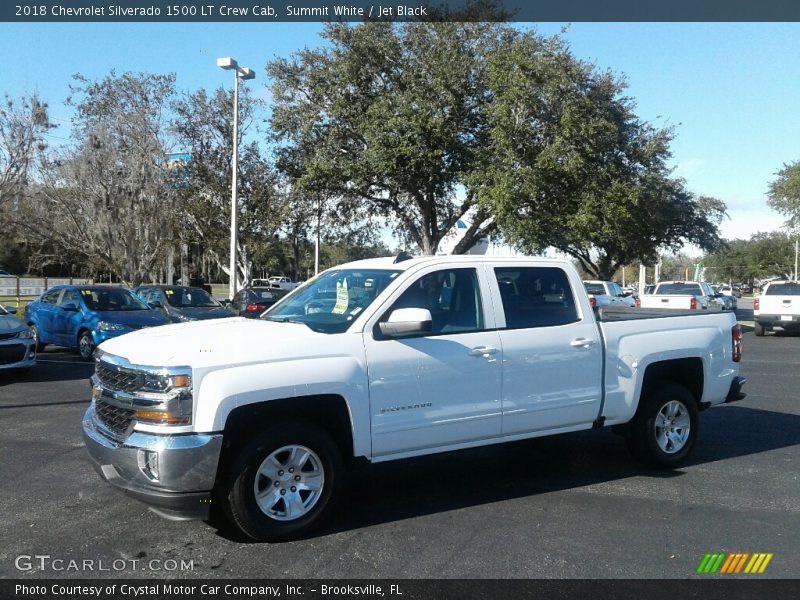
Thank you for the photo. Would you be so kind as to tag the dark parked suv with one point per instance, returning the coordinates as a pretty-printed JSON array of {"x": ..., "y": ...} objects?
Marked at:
[{"x": 183, "y": 303}]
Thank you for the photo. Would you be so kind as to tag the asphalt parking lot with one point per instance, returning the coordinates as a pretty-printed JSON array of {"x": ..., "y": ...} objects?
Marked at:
[{"x": 573, "y": 506}]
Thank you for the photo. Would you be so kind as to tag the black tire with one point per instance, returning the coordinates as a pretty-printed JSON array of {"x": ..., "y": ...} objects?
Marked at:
[
  {"x": 240, "y": 496},
  {"x": 758, "y": 328},
  {"x": 645, "y": 437},
  {"x": 35, "y": 331},
  {"x": 85, "y": 346}
]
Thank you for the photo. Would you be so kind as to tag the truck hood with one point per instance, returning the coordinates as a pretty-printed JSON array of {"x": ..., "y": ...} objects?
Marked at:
[{"x": 216, "y": 342}]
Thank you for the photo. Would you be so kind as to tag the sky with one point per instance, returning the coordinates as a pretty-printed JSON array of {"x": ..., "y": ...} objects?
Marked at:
[{"x": 730, "y": 90}]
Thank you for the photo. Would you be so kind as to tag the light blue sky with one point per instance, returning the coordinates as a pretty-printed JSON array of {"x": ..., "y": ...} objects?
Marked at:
[{"x": 731, "y": 90}]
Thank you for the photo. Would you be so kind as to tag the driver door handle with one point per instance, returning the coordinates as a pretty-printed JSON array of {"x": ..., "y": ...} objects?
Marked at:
[
  {"x": 581, "y": 343},
  {"x": 482, "y": 351}
]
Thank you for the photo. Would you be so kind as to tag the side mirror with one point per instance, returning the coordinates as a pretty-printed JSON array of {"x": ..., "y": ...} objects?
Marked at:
[
  {"x": 155, "y": 304},
  {"x": 407, "y": 321},
  {"x": 225, "y": 302},
  {"x": 10, "y": 310},
  {"x": 70, "y": 307}
]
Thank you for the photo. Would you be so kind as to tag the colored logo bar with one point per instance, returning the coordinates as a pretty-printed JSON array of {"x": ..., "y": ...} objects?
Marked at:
[{"x": 733, "y": 563}]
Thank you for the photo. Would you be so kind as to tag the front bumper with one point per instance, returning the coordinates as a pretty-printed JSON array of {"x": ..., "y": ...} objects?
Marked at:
[
  {"x": 173, "y": 474},
  {"x": 17, "y": 354}
]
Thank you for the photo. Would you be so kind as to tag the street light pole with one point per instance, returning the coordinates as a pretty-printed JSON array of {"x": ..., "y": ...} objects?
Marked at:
[{"x": 238, "y": 73}]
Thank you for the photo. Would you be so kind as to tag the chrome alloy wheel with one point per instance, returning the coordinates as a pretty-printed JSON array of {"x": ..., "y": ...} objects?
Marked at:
[
  {"x": 85, "y": 346},
  {"x": 289, "y": 483},
  {"x": 672, "y": 426}
]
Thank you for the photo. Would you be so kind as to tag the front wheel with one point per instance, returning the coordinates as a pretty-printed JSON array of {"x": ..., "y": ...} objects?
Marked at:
[
  {"x": 85, "y": 345},
  {"x": 36, "y": 338},
  {"x": 285, "y": 482},
  {"x": 665, "y": 427}
]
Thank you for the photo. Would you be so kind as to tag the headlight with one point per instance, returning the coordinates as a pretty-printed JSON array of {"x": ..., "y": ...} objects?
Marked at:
[
  {"x": 106, "y": 326},
  {"x": 177, "y": 410},
  {"x": 25, "y": 335},
  {"x": 156, "y": 382}
]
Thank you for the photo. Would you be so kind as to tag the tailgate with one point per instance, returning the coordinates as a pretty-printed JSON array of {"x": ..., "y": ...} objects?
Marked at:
[
  {"x": 780, "y": 305},
  {"x": 666, "y": 301}
]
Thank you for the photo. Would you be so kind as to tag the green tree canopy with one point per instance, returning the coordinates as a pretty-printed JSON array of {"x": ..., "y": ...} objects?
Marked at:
[
  {"x": 391, "y": 116},
  {"x": 784, "y": 194},
  {"x": 570, "y": 165}
]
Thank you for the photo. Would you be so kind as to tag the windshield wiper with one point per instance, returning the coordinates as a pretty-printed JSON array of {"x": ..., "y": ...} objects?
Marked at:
[{"x": 284, "y": 320}]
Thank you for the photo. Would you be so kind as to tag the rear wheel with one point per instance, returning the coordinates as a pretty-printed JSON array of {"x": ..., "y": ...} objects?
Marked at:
[
  {"x": 285, "y": 482},
  {"x": 664, "y": 430},
  {"x": 758, "y": 328},
  {"x": 85, "y": 345}
]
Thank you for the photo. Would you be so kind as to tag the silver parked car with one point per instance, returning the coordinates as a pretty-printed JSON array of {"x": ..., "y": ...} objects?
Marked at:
[{"x": 17, "y": 345}]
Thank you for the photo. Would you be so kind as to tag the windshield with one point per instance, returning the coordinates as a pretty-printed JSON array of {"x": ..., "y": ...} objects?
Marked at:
[
  {"x": 329, "y": 303},
  {"x": 685, "y": 289},
  {"x": 111, "y": 299},
  {"x": 783, "y": 289},
  {"x": 190, "y": 298}
]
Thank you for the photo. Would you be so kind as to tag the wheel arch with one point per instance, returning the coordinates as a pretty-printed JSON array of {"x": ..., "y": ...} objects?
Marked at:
[
  {"x": 328, "y": 411},
  {"x": 687, "y": 372}
]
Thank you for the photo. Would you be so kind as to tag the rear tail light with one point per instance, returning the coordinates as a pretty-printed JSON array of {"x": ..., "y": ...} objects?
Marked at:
[
  {"x": 736, "y": 339},
  {"x": 693, "y": 303},
  {"x": 253, "y": 307},
  {"x": 757, "y": 304},
  {"x": 638, "y": 303},
  {"x": 593, "y": 301}
]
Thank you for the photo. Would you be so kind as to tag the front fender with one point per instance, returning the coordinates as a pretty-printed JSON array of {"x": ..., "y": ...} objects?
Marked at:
[{"x": 220, "y": 391}]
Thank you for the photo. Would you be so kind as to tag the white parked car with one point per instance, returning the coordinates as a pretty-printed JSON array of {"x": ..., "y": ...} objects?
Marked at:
[
  {"x": 778, "y": 307},
  {"x": 386, "y": 359},
  {"x": 607, "y": 293}
]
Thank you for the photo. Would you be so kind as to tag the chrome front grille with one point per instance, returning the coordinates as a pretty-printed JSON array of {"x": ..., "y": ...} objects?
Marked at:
[
  {"x": 117, "y": 378},
  {"x": 117, "y": 420},
  {"x": 9, "y": 336}
]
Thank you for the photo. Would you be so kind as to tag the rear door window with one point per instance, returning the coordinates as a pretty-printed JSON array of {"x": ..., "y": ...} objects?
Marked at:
[{"x": 536, "y": 297}]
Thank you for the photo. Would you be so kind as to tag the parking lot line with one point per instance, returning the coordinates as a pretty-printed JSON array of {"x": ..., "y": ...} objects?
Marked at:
[{"x": 65, "y": 362}]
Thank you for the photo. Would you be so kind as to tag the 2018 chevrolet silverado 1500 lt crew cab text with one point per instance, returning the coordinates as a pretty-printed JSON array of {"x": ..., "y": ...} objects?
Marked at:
[{"x": 385, "y": 359}]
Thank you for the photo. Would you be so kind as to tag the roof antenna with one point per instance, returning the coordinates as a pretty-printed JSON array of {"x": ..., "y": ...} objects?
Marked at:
[{"x": 402, "y": 256}]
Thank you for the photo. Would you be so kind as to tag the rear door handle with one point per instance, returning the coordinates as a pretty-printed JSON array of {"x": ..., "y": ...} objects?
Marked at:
[
  {"x": 483, "y": 351},
  {"x": 581, "y": 343}
]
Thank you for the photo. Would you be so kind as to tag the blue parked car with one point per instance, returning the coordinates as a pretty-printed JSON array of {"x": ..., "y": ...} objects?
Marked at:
[{"x": 83, "y": 317}]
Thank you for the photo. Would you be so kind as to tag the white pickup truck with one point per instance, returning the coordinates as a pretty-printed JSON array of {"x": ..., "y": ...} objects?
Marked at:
[
  {"x": 778, "y": 307},
  {"x": 682, "y": 295},
  {"x": 386, "y": 359}
]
